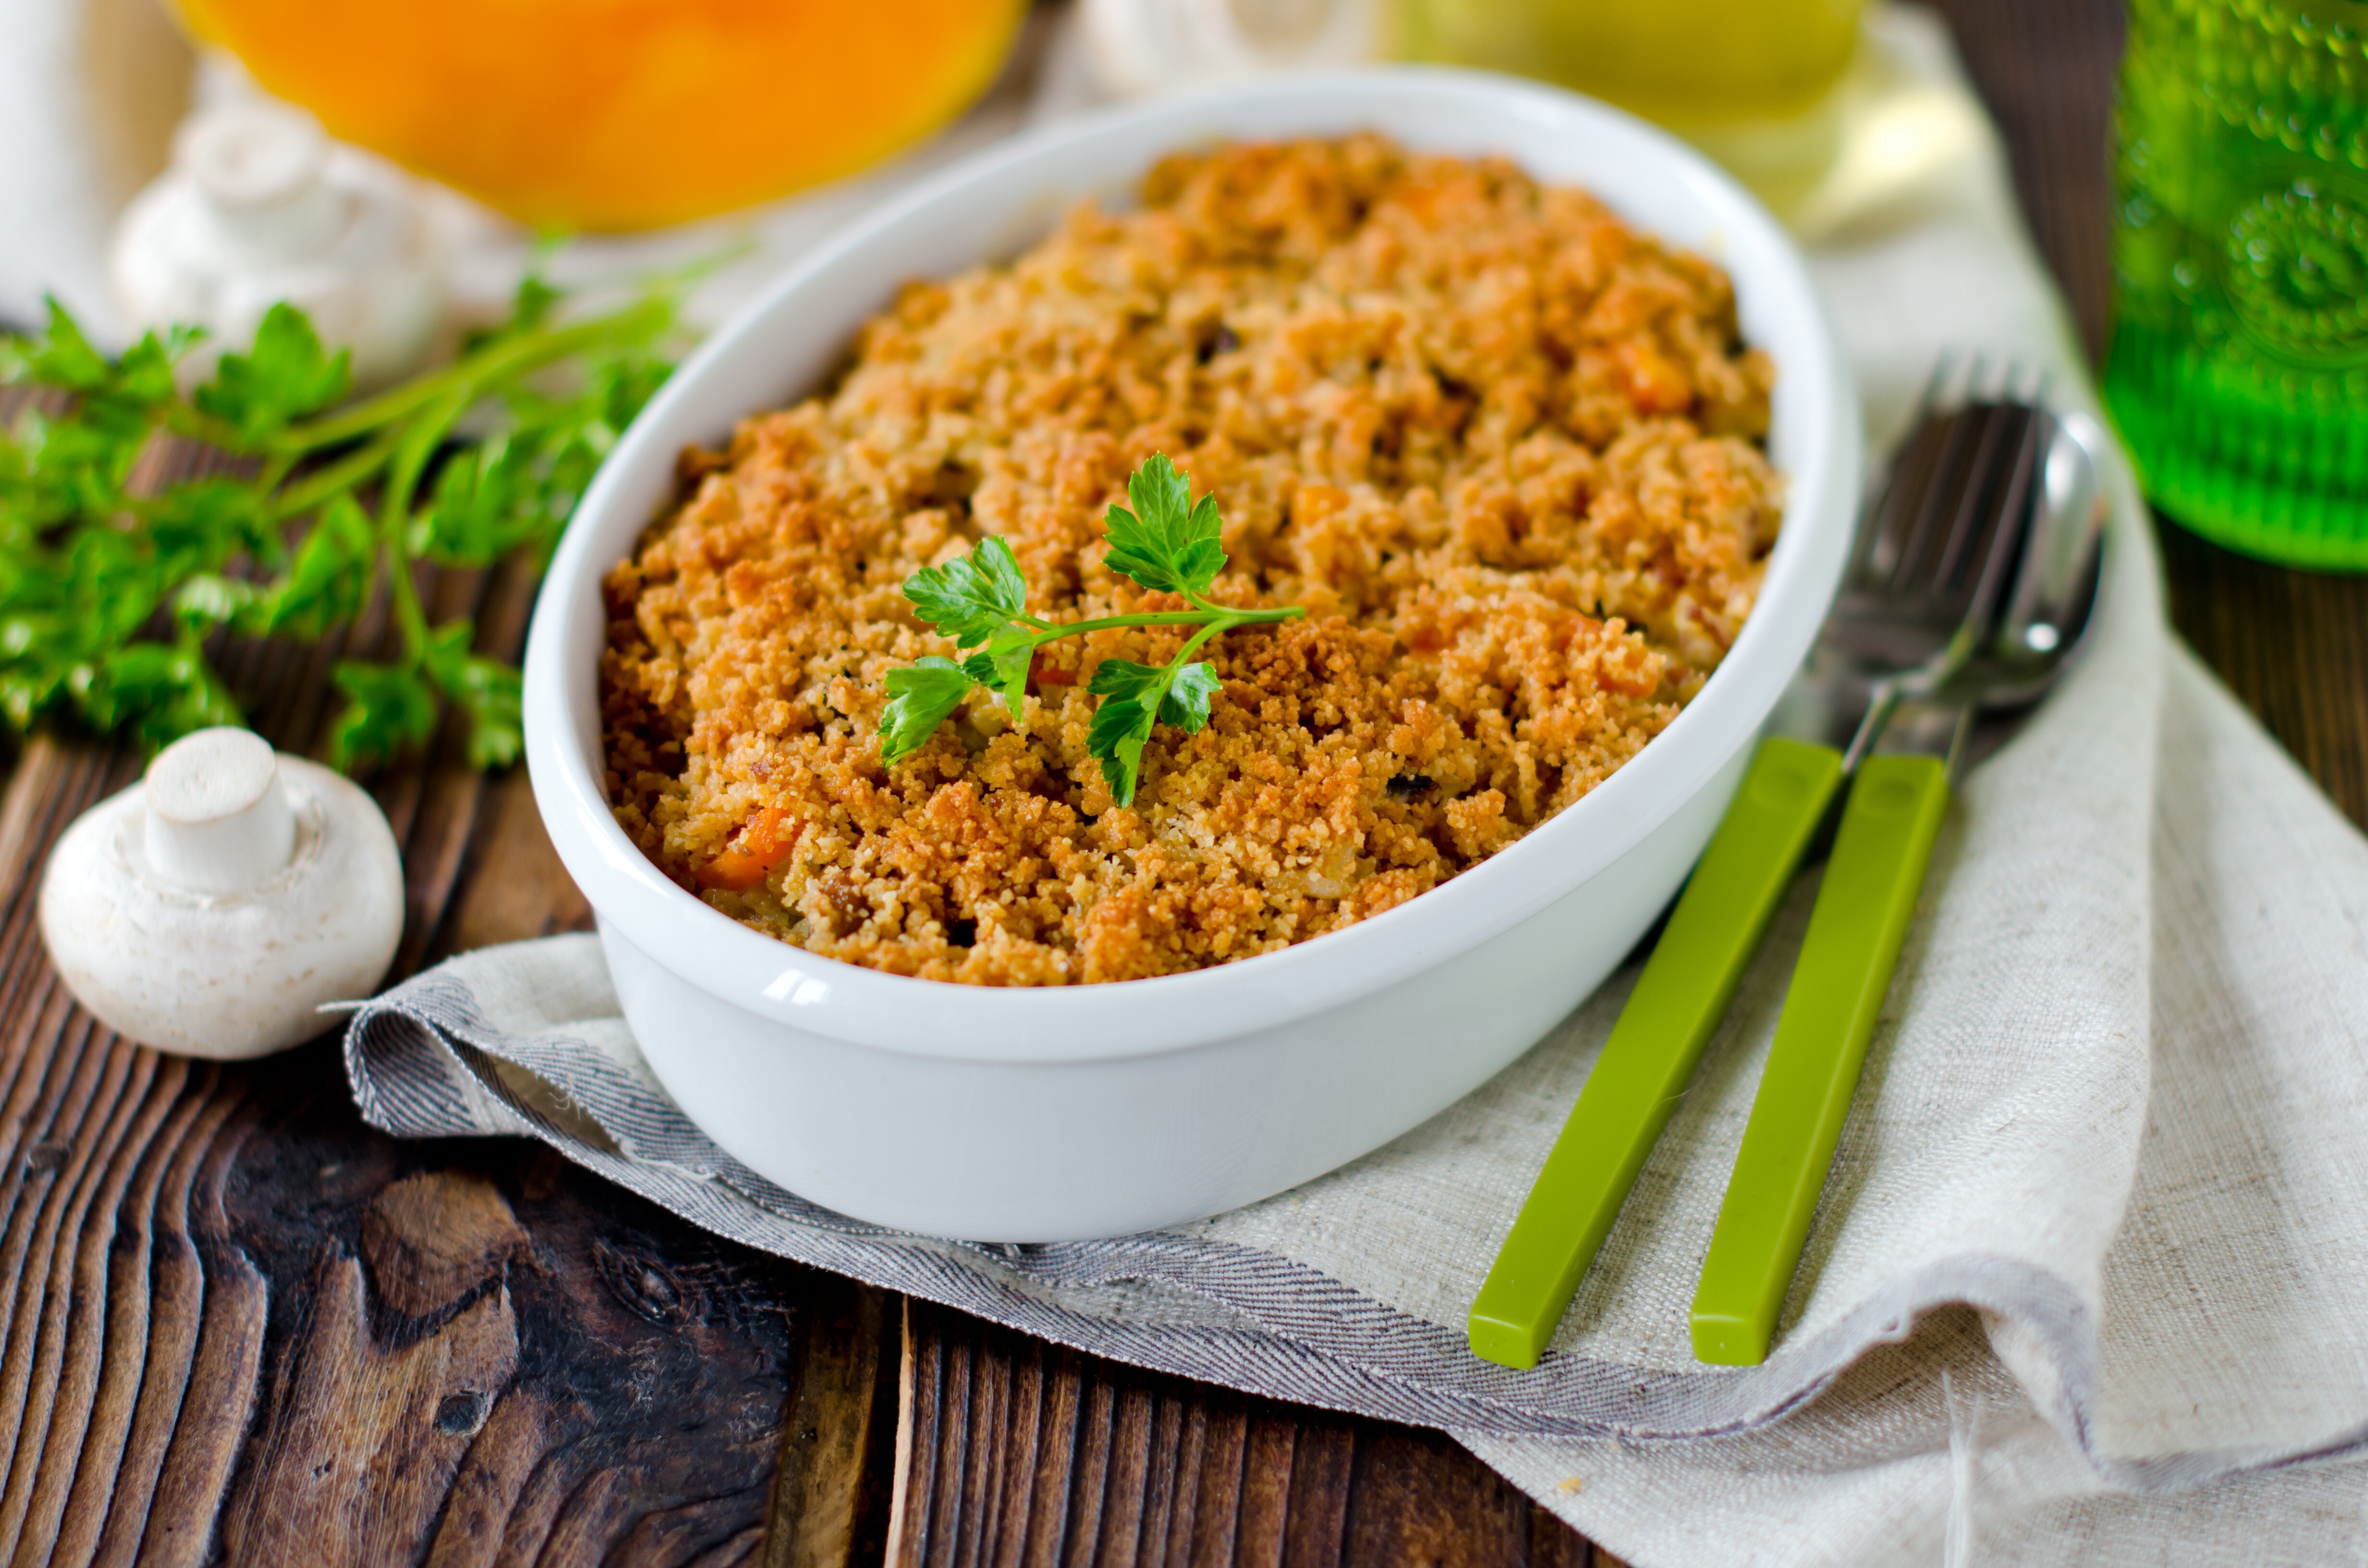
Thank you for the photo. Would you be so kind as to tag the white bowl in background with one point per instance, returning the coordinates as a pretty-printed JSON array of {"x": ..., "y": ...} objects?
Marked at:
[{"x": 1093, "y": 1110}]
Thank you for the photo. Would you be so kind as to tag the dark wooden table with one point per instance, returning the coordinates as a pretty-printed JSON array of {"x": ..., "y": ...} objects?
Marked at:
[{"x": 240, "y": 1327}]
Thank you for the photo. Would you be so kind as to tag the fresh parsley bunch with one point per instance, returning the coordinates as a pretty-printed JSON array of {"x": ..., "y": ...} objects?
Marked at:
[
  {"x": 1166, "y": 544},
  {"x": 107, "y": 595}
]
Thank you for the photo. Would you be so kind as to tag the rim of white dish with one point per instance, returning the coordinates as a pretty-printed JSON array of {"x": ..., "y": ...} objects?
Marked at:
[{"x": 1115, "y": 1020}]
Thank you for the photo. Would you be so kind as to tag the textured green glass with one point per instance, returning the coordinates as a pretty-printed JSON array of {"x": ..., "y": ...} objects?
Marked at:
[{"x": 2238, "y": 371}]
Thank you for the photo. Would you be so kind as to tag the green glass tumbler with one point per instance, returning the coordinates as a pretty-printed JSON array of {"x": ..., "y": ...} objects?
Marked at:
[{"x": 2238, "y": 370}]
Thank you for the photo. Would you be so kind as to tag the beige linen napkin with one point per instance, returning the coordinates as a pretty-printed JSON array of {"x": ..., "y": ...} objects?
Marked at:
[{"x": 2084, "y": 1285}]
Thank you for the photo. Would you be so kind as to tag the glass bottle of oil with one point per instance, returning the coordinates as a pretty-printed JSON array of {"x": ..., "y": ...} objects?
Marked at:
[
  {"x": 1678, "y": 62},
  {"x": 1750, "y": 82}
]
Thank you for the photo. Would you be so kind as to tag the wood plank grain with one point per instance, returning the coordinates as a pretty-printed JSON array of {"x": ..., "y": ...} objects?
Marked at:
[
  {"x": 366, "y": 1435},
  {"x": 2044, "y": 69},
  {"x": 1012, "y": 1452},
  {"x": 514, "y": 887},
  {"x": 231, "y": 1301},
  {"x": 70, "y": 1361},
  {"x": 239, "y": 1322},
  {"x": 832, "y": 1489},
  {"x": 2292, "y": 646},
  {"x": 207, "y": 1420},
  {"x": 159, "y": 1298},
  {"x": 123, "y": 1362}
]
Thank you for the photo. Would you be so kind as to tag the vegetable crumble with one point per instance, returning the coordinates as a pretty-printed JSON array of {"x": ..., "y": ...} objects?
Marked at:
[{"x": 1504, "y": 450}]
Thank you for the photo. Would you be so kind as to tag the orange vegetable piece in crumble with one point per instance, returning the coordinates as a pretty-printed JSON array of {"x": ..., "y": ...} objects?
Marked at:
[{"x": 744, "y": 864}]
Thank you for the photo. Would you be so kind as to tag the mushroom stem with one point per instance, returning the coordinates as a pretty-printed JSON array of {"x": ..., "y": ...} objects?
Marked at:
[{"x": 217, "y": 820}]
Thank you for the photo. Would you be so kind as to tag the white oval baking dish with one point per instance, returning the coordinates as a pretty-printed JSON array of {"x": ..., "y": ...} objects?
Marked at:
[{"x": 1028, "y": 1116}]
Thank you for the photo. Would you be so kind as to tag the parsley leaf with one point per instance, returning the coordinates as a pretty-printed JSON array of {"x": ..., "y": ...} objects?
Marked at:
[
  {"x": 489, "y": 694},
  {"x": 108, "y": 589},
  {"x": 473, "y": 520},
  {"x": 324, "y": 583},
  {"x": 61, "y": 357},
  {"x": 388, "y": 708},
  {"x": 322, "y": 586},
  {"x": 1125, "y": 678},
  {"x": 285, "y": 376},
  {"x": 530, "y": 305},
  {"x": 1010, "y": 655},
  {"x": 981, "y": 598},
  {"x": 1135, "y": 695},
  {"x": 158, "y": 690},
  {"x": 1166, "y": 544},
  {"x": 972, "y": 596},
  {"x": 920, "y": 696},
  {"x": 203, "y": 521},
  {"x": 493, "y": 695},
  {"x": 516, "y": 489},
  {"x": 1185, "y": 703},
  {"x": 1121, "y": 725}
]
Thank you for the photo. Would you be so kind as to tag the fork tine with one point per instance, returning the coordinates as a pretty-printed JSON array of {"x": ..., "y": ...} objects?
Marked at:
[
  {"x": 1928, "y": 401},
  {"x": 1957, "y": 494},
  {"x": 1892, "y": 519},
  {"x": 1898, "y": 523},
  {"x": 1910, "y": 566},
  {"x": 2013, "y": 517},
  {"x": 1974, "y": 522},
  {"x": 1889, "y": 521}
]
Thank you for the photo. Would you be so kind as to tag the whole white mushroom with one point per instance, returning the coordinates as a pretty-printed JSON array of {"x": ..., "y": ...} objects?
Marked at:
[{"x": 213, "y": 907}]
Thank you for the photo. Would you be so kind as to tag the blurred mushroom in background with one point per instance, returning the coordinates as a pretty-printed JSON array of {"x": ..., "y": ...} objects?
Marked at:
[{"x": 259, "y": 207}]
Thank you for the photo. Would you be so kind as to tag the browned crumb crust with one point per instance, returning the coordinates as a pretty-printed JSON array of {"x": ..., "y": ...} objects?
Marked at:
[{"x": 1505, "y": 449}]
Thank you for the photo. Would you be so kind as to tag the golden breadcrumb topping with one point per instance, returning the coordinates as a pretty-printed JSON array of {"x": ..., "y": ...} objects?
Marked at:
[{"x": 1507, "y": 450}]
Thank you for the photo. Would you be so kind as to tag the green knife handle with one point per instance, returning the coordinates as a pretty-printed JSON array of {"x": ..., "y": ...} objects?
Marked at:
[
  {"x": 1861, "y": 913},
  {"x": 1679, "y": 1000}
]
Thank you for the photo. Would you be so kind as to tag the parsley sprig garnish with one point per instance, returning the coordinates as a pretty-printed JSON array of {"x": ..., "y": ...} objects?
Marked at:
[
  {"x": 108, "y": 591},
  {"x": 1166, "y": 544}
]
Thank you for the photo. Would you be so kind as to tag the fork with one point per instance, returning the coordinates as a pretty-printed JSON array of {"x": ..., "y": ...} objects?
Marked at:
[
  {"x": 1921, "y": 591},
  {"x": 1880, "y": 856}
]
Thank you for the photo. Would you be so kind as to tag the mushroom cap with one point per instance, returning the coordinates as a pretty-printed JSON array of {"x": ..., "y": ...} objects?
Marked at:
[{"x": 226, "y": 975}]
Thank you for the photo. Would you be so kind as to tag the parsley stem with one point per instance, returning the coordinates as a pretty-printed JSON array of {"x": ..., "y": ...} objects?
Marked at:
[
  {"x": 416, "y": 445},
  {"x": 326, "y": 483},
  {"x": 1228, "y": 620},
  {"x": 477, "y": 373},
  {"x": 195, "y": 425},
  {"x": 1184, "y": 656}
]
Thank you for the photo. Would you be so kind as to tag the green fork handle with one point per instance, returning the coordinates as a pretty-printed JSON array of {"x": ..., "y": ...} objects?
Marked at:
[
  {"x": 1637, "y": 1083},
  {"x": 1880, "y": 855}
]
